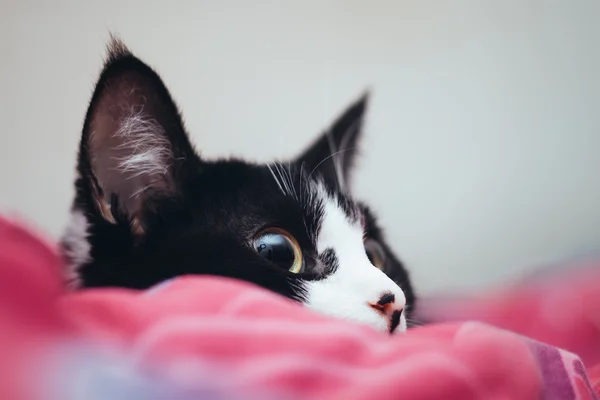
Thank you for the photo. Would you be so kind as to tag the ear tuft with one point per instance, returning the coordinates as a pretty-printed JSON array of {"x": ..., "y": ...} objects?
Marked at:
[{"x": 116, "y": 50}]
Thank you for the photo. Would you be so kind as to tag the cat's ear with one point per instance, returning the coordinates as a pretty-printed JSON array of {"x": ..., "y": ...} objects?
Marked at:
[
  {"x": 134, "y": 148},
  {"x": 334, "y": 152}
]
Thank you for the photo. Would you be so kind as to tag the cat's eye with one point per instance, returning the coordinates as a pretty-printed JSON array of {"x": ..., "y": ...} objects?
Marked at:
[
  {"x": 280, "y": 248},
  {"x": 375, "y": 253}
]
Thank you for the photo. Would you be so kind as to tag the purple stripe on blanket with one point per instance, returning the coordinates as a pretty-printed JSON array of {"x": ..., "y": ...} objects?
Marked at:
[
  {"x": 580, "y": 371},
  {"x": 556, "y": 381}
]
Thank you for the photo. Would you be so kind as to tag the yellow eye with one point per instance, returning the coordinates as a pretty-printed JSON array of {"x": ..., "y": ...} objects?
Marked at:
[
  {"x": 280, "y": 248},
  {"x": 375, "y": 253}
]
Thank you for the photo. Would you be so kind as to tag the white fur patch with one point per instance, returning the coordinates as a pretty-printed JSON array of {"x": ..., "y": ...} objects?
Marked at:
[
  {"x": 356, "y": 283},
  {"x": 76, "y": 246},
  {"x": 146, "y": 145}
]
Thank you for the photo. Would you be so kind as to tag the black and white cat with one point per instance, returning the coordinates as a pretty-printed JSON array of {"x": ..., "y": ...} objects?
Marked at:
[{"x": 148, "y": 208}]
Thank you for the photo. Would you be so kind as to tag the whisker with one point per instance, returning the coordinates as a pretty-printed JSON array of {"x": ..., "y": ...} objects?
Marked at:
[
  {"x": 275, "y": 178},
  {"x": 283, "y": 177},
  {"x": 336, "y": 166},
  {"x": 300, "y": 179},
  {"x": 278, "y": 170},
  {"x": 410, "y": 323},
  {"x": 289, "y": 171},
  {"x": 284, "y": 181},
  {"x": 346, "y": 137},
  {"x": 327, "y": 158}
]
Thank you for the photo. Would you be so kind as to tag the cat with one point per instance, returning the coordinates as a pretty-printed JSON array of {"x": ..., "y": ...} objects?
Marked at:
[{"x": 148, "y": 208}]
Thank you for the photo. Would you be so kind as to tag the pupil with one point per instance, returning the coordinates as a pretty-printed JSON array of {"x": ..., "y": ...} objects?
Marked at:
[{"x": 277, "y": 249}]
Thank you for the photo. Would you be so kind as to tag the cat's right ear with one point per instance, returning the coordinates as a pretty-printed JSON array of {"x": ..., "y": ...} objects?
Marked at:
[
  {"x": 334, "y": 151},
  {"x": 134, "y": 148}
]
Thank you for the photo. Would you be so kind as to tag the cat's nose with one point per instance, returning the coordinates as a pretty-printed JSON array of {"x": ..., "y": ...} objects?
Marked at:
[{"x": 390, "y": 307}]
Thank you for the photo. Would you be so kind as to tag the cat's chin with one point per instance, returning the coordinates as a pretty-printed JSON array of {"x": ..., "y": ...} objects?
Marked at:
[{"x": 383, "y": 324}]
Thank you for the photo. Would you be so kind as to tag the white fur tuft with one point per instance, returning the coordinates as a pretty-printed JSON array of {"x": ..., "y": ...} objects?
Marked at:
[
  {"x": 76, "y": 246},
  {"x": 146, "y": 145}
]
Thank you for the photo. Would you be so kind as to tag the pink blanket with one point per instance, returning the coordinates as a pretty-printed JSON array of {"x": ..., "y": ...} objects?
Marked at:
[{"x": 204, "y": 337}]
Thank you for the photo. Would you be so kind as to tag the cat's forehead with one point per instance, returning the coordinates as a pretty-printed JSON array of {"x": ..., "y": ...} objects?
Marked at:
[
  {"x": 275, "y": 194},
  {"x": 324, "y": 205}
]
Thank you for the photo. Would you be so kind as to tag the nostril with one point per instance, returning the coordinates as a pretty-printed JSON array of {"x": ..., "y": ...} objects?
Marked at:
[{"x": 386, "y": 298}]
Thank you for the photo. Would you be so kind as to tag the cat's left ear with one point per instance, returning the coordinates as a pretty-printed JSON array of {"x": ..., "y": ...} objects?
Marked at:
[
  {"x": 334, "y": 152},
  {"x": 134, "y": 150}
]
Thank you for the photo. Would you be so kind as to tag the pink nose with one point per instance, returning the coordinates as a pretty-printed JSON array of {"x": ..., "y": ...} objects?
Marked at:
[{"x": 389, "y": 308}]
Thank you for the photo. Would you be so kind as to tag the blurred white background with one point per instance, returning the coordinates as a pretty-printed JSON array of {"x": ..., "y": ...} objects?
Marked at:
[{"x": 482, "y": 149}]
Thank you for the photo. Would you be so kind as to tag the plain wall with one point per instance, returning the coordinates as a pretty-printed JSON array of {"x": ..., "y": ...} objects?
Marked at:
[{"x": 481, "y": 147}]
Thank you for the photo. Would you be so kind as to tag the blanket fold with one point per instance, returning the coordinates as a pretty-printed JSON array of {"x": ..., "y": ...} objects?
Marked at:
[{"x": 210, "y": 337}]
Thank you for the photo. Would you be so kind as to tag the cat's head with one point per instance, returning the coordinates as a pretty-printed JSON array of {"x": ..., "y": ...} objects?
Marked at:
[{"x": 149, "y": 208}]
